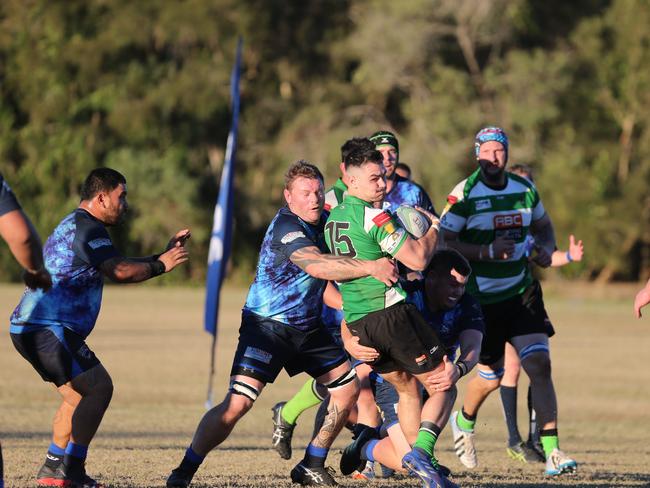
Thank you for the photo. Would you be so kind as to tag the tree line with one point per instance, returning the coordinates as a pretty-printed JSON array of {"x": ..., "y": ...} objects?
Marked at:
[{"x": 143, "y": 87}]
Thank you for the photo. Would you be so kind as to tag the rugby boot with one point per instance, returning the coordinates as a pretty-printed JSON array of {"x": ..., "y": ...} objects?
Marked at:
[
  {"x": 558, "y": 463},
  {"x": 282, "y": 432},
  {"x": 48, "y": 476},
  {"x": 418, "y": 463},
  {"x": 536, "y": 446},
  {"x": 180, "y": 478},
  {"x": 367, "y": 473},
  {"x": 351, "y": 455},
  {"x": 463, "y": 443},
  {"x": 77, "y": 478},
  {"x": 319, "y": 476},
  {"x": 522, "y": 453}
]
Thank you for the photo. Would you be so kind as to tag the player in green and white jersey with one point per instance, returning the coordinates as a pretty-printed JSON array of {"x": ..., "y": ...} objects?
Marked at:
[
  {"x": 409, "y": 350},
  {"x": 488, "y": 218}
]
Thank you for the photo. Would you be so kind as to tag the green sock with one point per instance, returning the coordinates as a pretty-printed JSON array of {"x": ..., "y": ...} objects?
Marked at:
[
  {"x": 427, "y": 437},
  {"x": 464, "y": 423},
  {"x": 306, "y": 397},
  {"x": 549, "y": 442}
]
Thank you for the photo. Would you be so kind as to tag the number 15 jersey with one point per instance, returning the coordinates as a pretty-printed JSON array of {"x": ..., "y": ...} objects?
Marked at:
[{"x": 355, "y": 229}]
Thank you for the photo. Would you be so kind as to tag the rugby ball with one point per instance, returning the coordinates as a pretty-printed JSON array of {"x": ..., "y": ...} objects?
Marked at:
[{"x": 415, "y": 222}]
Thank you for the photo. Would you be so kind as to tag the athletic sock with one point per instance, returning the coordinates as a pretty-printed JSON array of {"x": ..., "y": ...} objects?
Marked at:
[
  {"x": 549, "y": 440},
  {"x": 465, "y": 422},
  {"x": 533, "y": 431},
  {"x": 366, "y": 450},
  {"x": 315, "y": 456},
  {"x": 74, "y": 458},
  {"x": 427, "y": 437},
  {"x": 54, "y": 456},
  {"x": 509, "y": 401},
  {"x": 191, "y": 461},
  {"x": 306, "y": 397}
]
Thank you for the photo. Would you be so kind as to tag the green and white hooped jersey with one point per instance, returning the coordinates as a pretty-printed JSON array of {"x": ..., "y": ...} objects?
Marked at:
[
  {"x": 479, "y": 214},
  {"x": 355, "y": 229}
]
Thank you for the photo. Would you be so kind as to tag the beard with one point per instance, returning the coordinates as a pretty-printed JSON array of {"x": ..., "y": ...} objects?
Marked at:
[{"x": 491, "y": 173}]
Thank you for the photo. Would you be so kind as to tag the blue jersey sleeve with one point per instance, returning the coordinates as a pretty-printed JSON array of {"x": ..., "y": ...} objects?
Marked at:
[
  {"x": 92, "y": 244},
  {"x": 289, "y": 236},
  {"x": 471, "y": 316},
  {"x": 8, "y": 201}
]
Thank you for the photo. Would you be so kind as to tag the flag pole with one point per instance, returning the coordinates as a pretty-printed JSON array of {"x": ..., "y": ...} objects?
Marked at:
[{"x": 220, "y": 241}]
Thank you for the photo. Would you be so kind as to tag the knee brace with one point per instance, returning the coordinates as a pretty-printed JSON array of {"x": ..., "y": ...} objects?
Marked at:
[
  {"x": 492, "y": 375},
  {"x": 341, "y": 381},
  {"x": 533, "y": 348},
  {"x": 238, "y": 387}
]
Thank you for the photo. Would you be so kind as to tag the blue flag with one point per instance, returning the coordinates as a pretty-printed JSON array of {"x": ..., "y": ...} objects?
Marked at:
[{"x": 220, "y": 241}]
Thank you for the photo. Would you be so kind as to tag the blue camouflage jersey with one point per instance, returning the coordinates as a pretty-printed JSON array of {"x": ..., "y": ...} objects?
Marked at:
[
  {"x": 282, "y": 291},
  {"x": 405, "y": 192},
  {"x": 448, "y": 324},
  {"x": 8, "y": 202},
  {"x": 73, "y": 253}
]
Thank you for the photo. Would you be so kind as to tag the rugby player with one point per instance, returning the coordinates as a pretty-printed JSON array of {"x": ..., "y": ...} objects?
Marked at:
[
  {"x": 49, "y": 328},
  {"x": 25, "y": 245},
  {"x": 281, "y": 328},
  {"x": 399, "y": 190},
  {"x": 286, "y": 414},
  {"x": 531, "y": 450},
  {"x": 487, "y": 219},
  {"x": 377, "y": 314},
  {"x": 457, "y": 319}
]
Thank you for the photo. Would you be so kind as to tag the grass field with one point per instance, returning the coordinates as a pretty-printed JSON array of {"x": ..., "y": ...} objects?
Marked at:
[{"x": 151, "y": 341}]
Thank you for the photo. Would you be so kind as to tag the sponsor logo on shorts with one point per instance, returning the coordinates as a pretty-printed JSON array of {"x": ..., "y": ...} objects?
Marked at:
[
  {"x": 483, "y": 204},
  {"x": 421, "y": 360},
  {"x": 84, "y": 352},
  {"x": 258, "y": 354},
  {"x": 508, "y": 221},
  {"x": 101, "y": 242},
  {"x": 292, "y": 236},
  {"x": 433, "y": 350}
]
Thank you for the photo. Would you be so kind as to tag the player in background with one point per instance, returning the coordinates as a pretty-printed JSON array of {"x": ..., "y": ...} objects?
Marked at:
[
  {"x": 25, "y": 245},
  {"x": 456, "y": 318},
  {"x": 409, "y": 349},
  {"x": 281, "y": 328},
  {"x": 642, "y": 299},
  {"x": 286, "y": 414},
  {"x": 487, "y": 219},
  {"x": 531, "y": 450},
  {"x": 403, "y": 170},
  {"x": 399, "y": 190},
  {"x": 49, "y": 328}
]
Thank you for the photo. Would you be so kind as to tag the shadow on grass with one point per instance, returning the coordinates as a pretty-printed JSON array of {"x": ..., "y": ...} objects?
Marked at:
[{"x": 596, "y": 480}]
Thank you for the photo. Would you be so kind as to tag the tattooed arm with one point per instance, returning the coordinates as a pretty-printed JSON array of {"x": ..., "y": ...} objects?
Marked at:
[{"x": 340, "y": 268}]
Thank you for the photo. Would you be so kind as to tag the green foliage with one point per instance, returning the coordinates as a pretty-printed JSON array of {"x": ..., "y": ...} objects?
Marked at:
[{"x": 144, "y": 87}]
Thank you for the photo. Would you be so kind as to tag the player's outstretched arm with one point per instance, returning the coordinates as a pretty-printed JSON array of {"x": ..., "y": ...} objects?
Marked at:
[
  {"x": 340, "y": 268},
  {"x": 127, "y": 270},
  {"x": 542, "y": 231},
  {"x": 416, "y": 253},
  {"x": 24, "y": 243},
  {"x": 562, "y": 258},
  {"x": 641, "y": 300},
  {"x": 501, "y": 248}
]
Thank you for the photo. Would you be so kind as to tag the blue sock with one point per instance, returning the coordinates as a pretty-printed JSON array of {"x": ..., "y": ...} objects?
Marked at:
[
  {"x": 54, "y": 456},
  {"x": 315, "y": 456},
  {"x": 192, "y": 460},
  {"x": 366, "y": 451}
]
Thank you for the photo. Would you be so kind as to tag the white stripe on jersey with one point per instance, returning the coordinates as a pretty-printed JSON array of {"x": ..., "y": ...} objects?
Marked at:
[
  {"x": 496, "y": 285},
  {"x": 392, "y": 297}
]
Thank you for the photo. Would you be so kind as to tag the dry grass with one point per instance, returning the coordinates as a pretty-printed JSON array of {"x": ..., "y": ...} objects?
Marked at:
[{"x": 151, "y": 341}]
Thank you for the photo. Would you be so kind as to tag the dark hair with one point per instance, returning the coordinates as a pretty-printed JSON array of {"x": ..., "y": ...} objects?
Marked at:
[
  {"x": 362, "y": 156},
  {"x": 403, "y": 166},
  {"x": 355, "y": 144},
  {"x": 518, "y": 169},
  {"x": 101, "y": 180},
  {"x": 304, "y": 169},
  {"x": 445, "y": 260}
]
